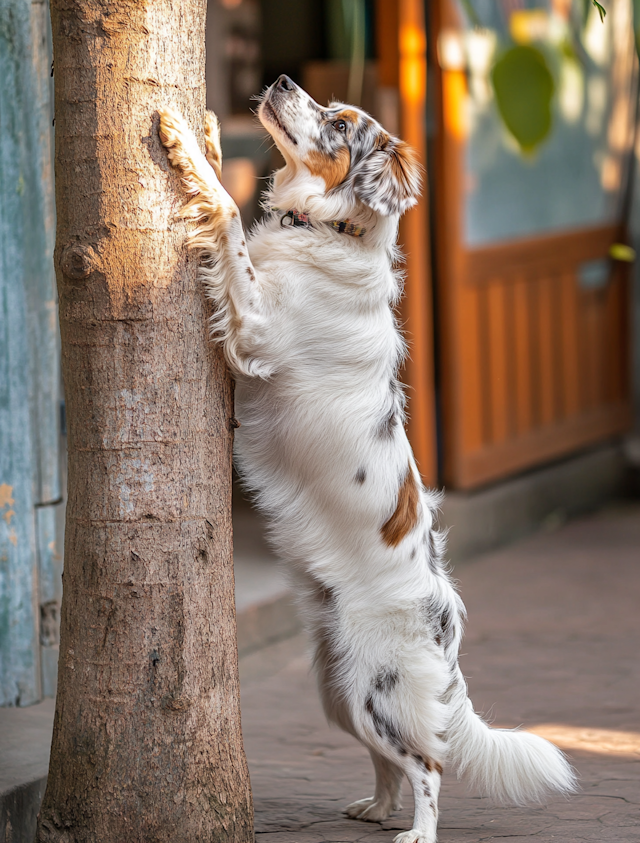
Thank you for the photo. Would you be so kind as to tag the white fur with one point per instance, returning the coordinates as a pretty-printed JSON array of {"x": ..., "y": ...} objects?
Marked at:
[{"x": 305, "y": 318}]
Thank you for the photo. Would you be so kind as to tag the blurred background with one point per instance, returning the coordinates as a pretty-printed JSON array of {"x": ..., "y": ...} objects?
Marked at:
[
  {"x": 524, "y": 113},
  {"x": 522, "y": 303}
]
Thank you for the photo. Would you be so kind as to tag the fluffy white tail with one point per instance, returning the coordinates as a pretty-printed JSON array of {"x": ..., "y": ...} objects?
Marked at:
[{"x": 507, "y": 765}]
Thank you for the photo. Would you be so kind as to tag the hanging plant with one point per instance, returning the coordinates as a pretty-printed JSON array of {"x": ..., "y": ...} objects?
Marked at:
[
  {"x": 524, "y": 88},
  {"x": 523, "y": 83}
]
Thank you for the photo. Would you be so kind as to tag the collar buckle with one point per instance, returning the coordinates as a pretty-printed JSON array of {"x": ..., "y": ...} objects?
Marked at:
[{"x": 294, "y": 218}]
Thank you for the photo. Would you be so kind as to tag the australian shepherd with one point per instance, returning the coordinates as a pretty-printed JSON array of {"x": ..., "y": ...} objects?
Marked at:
[{"x": 304, "y": 309}]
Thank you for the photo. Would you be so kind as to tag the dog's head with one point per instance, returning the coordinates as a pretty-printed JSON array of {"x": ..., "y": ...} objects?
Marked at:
[{"x": 343, "y": 151}]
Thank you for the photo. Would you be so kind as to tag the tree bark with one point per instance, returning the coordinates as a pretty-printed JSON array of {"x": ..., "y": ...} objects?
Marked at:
[{"x": 147, "y": 743}]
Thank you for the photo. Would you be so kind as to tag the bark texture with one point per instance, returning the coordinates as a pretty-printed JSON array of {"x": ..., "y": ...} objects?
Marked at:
[{"x": 147, "y": 743}]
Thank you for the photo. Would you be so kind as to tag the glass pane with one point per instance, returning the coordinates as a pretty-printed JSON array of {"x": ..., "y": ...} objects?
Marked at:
[{"x": 576, "y": 176}]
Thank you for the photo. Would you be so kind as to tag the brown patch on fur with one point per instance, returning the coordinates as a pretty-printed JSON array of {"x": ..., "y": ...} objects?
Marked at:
[
  {"x": 403, "y": 161},
  {"x": 438, "y": 767},
  {"x": 382, "y": 140},
  {"x": 332, "y": 168},
  {"x": 347, "y": 114},
  {"x": 251, "y": 273},
  {"x": 405, "y": 515}
]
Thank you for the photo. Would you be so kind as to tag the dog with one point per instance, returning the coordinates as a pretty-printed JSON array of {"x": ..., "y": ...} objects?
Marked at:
[{"x": 304, "y": 311}]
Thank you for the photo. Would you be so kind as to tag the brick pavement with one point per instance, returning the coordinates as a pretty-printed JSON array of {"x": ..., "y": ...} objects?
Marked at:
[{"x": 553, "y": 642}]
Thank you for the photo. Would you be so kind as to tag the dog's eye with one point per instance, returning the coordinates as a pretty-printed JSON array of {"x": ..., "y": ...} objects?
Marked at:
[{"x": 340, "y": 125}]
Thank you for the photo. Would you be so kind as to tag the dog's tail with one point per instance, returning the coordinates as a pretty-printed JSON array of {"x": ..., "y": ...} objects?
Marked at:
[{"x": 507, "y": 765}]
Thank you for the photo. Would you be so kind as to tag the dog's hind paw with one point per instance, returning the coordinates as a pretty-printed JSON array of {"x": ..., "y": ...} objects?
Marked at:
[
  {"x": 414, "y": 836},
  {"x": 370, "y": 810}
]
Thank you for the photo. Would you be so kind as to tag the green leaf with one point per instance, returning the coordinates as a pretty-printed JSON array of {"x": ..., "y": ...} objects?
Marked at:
[
  {"x": 601, "y": 10},
  {"x": 524, "y": 87}
]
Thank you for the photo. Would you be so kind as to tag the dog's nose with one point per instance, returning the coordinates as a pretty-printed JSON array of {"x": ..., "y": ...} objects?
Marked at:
[{"x": 284, "y": 84}]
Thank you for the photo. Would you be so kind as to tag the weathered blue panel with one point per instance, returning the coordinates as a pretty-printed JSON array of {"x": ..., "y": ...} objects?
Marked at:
[
  {"x": 44, "y": 340},
  {"x": 19, "y": 651},
  {"x": 50, "y": 597},
  {"x": 29, "y": 357}
]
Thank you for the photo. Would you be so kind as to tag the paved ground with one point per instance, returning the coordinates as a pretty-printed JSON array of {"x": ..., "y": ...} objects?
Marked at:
[{"x": 553, "y": 643}]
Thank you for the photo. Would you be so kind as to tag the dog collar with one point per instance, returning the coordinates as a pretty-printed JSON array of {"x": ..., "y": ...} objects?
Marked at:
[{"x": 301, "y": 220}]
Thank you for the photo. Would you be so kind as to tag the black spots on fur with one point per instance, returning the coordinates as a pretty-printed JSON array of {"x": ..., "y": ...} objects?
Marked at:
[
  {"x": 412, "y": 555},
  {"x": 388, "y": 178},
  {"x": 446, "y": 625},
  {"x": 386, "y": 680},
  {"x": 431, "y": 552},
  {"x": 361, "y": 130},
  {"x": 361, "y": 475},
  {"x": 386, "y": 426},
  {"x": 425, "y": 788},
  {"x": 440, "y": 622},
  {"x": 385, "y": 728},
  {"x": 434, "y": 544},
  {"x": 393, "y": 412}
]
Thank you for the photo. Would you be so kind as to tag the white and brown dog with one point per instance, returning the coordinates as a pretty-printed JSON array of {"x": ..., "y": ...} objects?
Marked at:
[{"x": 304, "y": 312}]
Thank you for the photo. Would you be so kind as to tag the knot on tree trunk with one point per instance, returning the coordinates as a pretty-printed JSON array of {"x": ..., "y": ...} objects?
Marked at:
[{"x": 77, "y": 261}]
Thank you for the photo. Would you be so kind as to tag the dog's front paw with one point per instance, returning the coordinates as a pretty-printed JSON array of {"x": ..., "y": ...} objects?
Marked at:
[
  {"x": 414, "y": 836},
  {"x": 370, "y": 810},
  {"x": 212, "y": 141},
  {"x": 174, "y": 134}
]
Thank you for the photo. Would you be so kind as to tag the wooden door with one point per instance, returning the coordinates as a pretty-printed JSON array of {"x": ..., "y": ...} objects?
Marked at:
[
  {"x": 401, "y": 42},
  {"x": 534, "y": 330}
]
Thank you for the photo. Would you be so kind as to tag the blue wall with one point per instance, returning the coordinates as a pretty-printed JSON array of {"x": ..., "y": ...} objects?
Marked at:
[{"x": 30, "y": 556}]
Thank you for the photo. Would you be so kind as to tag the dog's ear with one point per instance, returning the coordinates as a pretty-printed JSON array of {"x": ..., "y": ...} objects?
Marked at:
[{"x": 389, "y": 178}]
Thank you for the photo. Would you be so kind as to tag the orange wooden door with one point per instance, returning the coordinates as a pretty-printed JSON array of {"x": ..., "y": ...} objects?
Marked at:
[
  {"x": 402, "y": 78},
  {"x": 534, "y": 328}
]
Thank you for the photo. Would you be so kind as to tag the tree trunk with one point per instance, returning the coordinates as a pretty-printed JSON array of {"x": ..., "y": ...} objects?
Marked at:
[{"x": 147, "y": 743}]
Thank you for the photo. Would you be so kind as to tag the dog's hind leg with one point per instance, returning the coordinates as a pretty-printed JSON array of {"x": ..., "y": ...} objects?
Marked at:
[
  {"x": 387, "y": 795},
  {"x": 227, "y": 271},
  {"x": 425, "y": 776},
  {"x": 397, "y": 711}
]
